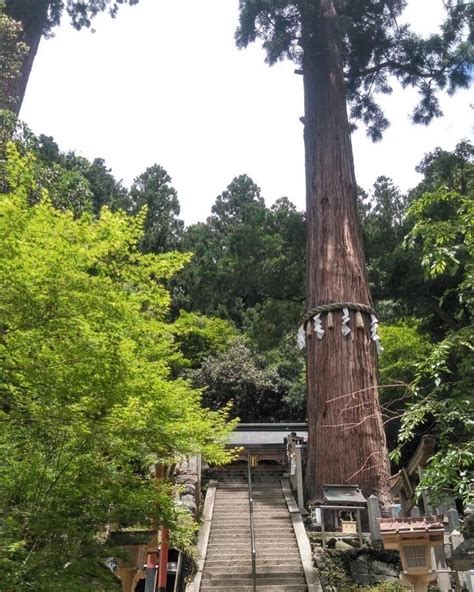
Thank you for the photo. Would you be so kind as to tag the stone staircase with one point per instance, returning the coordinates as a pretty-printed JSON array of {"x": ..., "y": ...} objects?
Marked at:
[{"x": 228, "y": 565}]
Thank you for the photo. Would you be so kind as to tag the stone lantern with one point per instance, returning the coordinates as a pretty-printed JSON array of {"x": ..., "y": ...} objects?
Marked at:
[{"x": 414, "y": 538}]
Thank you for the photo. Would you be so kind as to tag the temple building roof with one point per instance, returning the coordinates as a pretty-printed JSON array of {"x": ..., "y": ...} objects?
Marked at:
[{"x": 266, "y": 434}]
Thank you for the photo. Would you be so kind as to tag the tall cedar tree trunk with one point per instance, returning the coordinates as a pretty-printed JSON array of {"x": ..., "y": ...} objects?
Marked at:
[
  {"x": 346, "y": 437},
  {"x": 33, "y": 20}
]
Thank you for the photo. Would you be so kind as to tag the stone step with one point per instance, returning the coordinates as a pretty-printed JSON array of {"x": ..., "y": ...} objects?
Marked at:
[
  {"x": 226, "y": 495},
  {"x": 262, "y": 579},
  {"x": 225, "y": 551},
  {"x": 215, "y": 567},
  {"x": 243, "y": 487},
  {"x": 261, "y": 532},
  {"x": 245, "y": 524},
  {"x": 260, "y": 486},
  {"x": 264, "y": 517},
  {"x": 261, "y": 562},
  {"x": 244, "y": 491},
  {"x": 272, "y": 555},
  {"x": 244, "y": 540},
  {"x": 238, "y": 493},
  {"x": 270, "y": 518},
  {"x": 238, "y": 486},
  {"x": 263, "y": 513},
  {"x": 243, "y": 476},
  {"x": 244, "y": 530},
  {"x": 263, "y": 547},
  {"x": 276, "y": 510},
  {"x": 262, "y": 540},
  {"x": 235, "y": 505},
  {"x": 233, "y": 502},
  {"x": 238, "y": 477},
  {"x": 260, "y": 535},
  {"x": 261, "y": 588},
  {"x": 263, "y": 556},
  {"x": 242, "y": 495},
  {"x": 259, "y": 523},
  {"x": 294, "y": 577},
  {"x": 230, "y": 508},
  {"x": 263, "y": 478},
  {"x": 229, "y": 495}
]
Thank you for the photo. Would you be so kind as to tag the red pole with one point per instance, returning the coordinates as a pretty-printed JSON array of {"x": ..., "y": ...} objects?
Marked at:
[
  {"x": 163, "y": 570},
  {"x": 151, "y": 565}
]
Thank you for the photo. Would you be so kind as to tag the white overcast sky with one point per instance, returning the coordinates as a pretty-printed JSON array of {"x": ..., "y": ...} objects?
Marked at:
[{"x": 164, "y": 83}]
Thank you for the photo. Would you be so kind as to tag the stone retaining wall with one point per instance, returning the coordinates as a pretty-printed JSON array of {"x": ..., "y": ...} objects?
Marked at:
[{"x": 344, "y": 567}]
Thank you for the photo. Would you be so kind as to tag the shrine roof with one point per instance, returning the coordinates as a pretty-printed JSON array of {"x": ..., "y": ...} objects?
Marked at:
[
  {"x": 343, "y": 494},
  {"x": 266, "y": 434},
  {"x": 421, "y": 524}
]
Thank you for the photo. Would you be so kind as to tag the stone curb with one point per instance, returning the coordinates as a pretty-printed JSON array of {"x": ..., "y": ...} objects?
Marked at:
[
  {"x": 203, "y": 538},
  {"x": 312, "y": 580}
]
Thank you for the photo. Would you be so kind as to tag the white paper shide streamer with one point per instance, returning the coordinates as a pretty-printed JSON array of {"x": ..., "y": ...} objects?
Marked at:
[
  {"x": 345, "y": 322},
  {"x": 374, "y": 325},
  {"x": 318, "y": 326},
  {"x": 301, "y": 338}
]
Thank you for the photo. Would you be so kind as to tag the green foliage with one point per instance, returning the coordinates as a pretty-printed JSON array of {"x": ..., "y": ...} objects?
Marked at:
[
  {"x": 75, "y": 184},
  {"x": 452, "y": 170},
  {"x": 384, "y": 227},
  {"x": 87, "y": 398},
  {"x": 99, "y": 187},
  {"x": 248, "y": 263},
  {"x": 245, "y": 379},
  {"x": 375, "y": 49},
  {"x": 384, "y": 587},
  {"x": 103, "y": 189},
  {"x": 240, "y": 377},
  {"x": 424, "y": 286},
  {"x": 404, "y": 348},
  {"x": 11, "y": 56},
  {"x": 398, "y": 279},
  {"x": 199, "y": 337},
  {"x": 336, "y": 574},
  {"x": 163, "y": 228},
  {"x": 248, "y": 267},
  {"x": 443, "y": 224}
]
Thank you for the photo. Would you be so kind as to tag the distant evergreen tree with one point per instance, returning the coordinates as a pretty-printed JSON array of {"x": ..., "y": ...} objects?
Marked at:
[{"x": 163, "y": 228}]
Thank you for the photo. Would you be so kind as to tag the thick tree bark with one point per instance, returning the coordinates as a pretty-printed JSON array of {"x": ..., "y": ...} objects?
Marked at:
[
  {"x": 33, "y": 16},
  {"x": 346, "y": 436}
]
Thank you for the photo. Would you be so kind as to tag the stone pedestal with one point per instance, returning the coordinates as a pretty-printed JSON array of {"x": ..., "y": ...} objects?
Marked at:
[{"x": 373, "y": 508}]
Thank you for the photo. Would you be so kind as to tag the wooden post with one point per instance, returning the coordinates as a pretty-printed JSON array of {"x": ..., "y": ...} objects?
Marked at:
[{"x": 163, "y": 571}]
